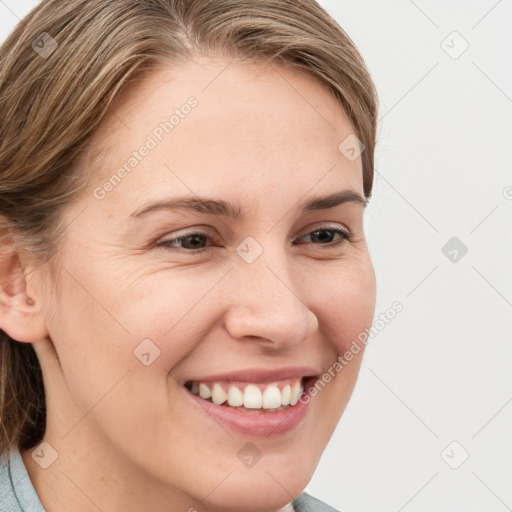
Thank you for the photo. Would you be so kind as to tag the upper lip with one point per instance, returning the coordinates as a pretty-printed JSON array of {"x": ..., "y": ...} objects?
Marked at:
[{"x": 259, "y": 374}]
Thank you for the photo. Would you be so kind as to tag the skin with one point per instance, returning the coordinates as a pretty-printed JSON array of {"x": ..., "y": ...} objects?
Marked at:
[{"x": 265, "y": 138}]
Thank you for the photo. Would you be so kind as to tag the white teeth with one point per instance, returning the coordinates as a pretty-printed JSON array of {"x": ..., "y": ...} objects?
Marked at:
[
  {"x": 219, "y": 396},
  {"x": 295, "y": 393},
  {"x": 252, "y": 397},
  {"x": 271, "y": 398},
  {"x": 204, "y": 391},
  {"x": 235, "y": 397},
  {"x": 285, "y": 400}
]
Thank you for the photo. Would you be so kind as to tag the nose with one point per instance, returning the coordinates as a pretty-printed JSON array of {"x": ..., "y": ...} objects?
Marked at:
[{"x": 266, "y": 303}]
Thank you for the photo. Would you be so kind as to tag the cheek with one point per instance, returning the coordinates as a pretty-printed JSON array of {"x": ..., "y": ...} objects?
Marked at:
[
  {"x": 117, "y": 311},
  {"x": 92, "y": 342},
  {"x": 97, "y": 333},
  {"x": 174, "y": 309},
  {"x": 344, "y": 302}
]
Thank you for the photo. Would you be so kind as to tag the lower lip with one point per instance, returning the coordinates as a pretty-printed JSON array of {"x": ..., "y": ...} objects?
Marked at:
[{"x": 264, "y": 424}]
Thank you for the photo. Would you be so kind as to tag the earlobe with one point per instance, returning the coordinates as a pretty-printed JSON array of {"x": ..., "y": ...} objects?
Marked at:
[{"x": 21, "y": 315}]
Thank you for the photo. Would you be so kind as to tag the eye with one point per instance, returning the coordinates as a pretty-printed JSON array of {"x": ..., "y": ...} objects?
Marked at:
[
  {"x": 195, "y": 242},
  {"x": 325, "y": 236}
]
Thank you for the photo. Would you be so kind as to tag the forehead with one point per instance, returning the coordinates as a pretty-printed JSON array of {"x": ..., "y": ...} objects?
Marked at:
[{"x": 266, "y": 124}]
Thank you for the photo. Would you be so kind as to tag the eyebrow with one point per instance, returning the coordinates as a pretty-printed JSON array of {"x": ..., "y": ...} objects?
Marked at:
[{"x": 225, "y": 208}]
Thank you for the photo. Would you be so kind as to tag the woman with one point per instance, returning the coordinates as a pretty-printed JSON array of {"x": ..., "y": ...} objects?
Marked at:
[{"x": 183, "y": 263}]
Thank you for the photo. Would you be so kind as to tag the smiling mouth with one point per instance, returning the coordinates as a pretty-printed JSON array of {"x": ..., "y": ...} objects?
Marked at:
[{"x": 252, "y": 397}]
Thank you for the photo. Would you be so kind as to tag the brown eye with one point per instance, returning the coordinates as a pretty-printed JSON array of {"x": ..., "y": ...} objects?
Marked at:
[
  {"x": 194, "y": 242},
  {"x": 325, "y": 236}
]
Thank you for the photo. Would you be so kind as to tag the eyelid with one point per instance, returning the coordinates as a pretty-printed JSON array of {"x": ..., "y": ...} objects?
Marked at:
[
  {"x": 318, "y": 227},
  {"x": 199, "y": 230},
  {"x": 347, "y": 236},
  {"x": 192, "y": 231}
]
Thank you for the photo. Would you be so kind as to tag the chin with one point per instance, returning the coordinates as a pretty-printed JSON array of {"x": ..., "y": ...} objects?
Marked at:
[
  {"x": 262, "y": 494},
  {"x": 266, "y": 486}
]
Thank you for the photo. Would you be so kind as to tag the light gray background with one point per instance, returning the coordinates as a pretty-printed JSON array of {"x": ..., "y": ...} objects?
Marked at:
[{"x": 441, "y": 370}]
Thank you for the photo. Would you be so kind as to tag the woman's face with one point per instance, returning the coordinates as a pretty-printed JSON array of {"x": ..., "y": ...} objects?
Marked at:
[{"x": 153, "y": 302}]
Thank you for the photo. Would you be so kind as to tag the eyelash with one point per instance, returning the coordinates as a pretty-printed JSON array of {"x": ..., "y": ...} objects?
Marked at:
[{"x": 346, "y": 236}]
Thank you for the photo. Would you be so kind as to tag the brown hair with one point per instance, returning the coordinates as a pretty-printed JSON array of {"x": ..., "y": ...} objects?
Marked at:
[{"x": 60, "y": 71}]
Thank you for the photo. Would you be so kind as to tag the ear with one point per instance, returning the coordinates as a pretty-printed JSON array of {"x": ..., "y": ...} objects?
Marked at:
[{"x": 21, "y": 315}]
